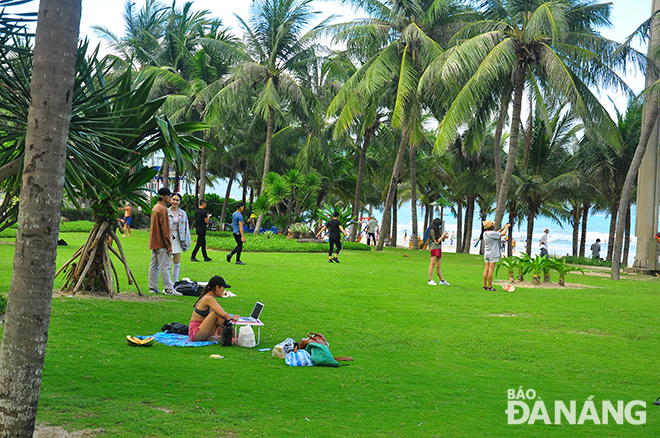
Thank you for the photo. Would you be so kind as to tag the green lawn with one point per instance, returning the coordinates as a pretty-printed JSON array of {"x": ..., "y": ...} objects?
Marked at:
[{"x": 429, "y": 361}]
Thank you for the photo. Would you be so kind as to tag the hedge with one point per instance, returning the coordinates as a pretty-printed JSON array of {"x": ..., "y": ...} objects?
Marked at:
[{"x": 275, "y": 243}]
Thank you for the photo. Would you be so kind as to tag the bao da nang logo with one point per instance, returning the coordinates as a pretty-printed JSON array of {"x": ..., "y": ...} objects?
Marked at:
[{"x": 525, "y": 407}]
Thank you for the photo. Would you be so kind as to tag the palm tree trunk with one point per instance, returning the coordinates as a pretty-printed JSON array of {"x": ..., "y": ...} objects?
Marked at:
[
  {"x": 530, "y": 130},
  {"x": 469, "y": 218},
  {"x": 202, "y": 174},
  {"x": 391, "y": 191},
  {"x": 614, "y": 210},
  {"x": 530, "y": 235},
  {"x": 503, "y": 193},
  {"x": 577, "y": 213},
  {"x": 504, "y": 107},
  {"x": 165, "y": 171},
  {"x": 413, "y": 197},
  {"x": 232, "y": 175},
  {"x": 513, "y": 214},
  {"x": 395, "y": 216},
  {"x": 269, "y": 144},
  {"x": 459, "y": 224},
  {"x": 583, "y": 238},
  {"x": 31, "y": 288},
  {"x": 626, "y": 244},
  {"x": 358, "y": 185}
]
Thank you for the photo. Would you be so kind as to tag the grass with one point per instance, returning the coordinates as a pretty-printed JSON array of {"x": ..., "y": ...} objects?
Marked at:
[{"x": 429, "y": 361}]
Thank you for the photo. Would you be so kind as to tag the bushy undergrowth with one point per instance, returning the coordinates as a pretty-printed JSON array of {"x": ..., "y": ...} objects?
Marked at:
[
  {"x": 65, "y": 227},
  {"x": 3, "y": 304},
  {"x": 275, "y": 243},
  {"x": 586, "y": 261}
]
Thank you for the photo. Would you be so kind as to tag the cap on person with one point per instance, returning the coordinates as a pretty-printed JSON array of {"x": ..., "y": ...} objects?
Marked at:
[
  {"x": 488, "y": 225},
  {"x": 217, "y": 281},
  {"x": 164, "y": 191},
  {"x": 335, "y": 214},
  {"x": 546, "y": 229},
  {"x": 252, "y": 216}
]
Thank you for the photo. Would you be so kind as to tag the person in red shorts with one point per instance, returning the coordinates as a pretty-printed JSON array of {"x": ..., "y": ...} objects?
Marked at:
[
  {"x": 208, "y": 316},
  {"x": 435, "y": 245}
]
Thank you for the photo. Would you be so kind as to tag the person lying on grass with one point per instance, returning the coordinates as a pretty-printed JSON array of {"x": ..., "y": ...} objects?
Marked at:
[{"x": 208, "y": 316}]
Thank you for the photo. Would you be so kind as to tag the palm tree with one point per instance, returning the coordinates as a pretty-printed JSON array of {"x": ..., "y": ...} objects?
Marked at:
[
  {"x": 276, "y": 48},
  {"x": 555, "y": 44},
  {"x": 410, "y": 36},
  {"x": 30, "y": 293}
]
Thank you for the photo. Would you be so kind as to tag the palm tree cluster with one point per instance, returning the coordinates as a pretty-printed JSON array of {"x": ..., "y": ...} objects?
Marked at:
[{"x": 479, "y": 107}]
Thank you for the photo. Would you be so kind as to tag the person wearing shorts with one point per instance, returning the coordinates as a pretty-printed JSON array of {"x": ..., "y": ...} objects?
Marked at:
[
  {"x": 491, "y": 239},
  {"x": 334, "y": 230},
  {"x": 128, "y": 216},
  {"x": 435, "y": 245},
  {"x": 208, "y": 316}
]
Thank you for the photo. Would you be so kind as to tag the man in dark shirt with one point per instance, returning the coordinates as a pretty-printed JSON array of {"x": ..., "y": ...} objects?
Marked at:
[
  {"x": 201, "y": 220},
  {"x": 335, "y": 229}
]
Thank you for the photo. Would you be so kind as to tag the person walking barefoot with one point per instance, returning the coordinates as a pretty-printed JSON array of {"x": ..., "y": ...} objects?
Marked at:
[{"x": 435, "y": 245}]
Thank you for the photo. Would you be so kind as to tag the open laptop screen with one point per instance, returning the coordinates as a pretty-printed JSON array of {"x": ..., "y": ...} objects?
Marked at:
[{"x": 256, "y": 312}]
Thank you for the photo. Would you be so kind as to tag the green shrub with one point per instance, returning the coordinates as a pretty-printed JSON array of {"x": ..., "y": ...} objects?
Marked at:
[
  {"x": 3, "y": 304},
  {"x": 9, "y": 233},
  {"x": 140, "y": 219},
  {"x": 76, "y": 227},
  {"x": 586, "y": 261},
  {"x": 276, "y": 243}
]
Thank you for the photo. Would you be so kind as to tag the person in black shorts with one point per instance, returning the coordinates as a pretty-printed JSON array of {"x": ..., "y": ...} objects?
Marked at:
[
  {"x": 201, "y": 221},
  {"x": 335, "y": 229}
]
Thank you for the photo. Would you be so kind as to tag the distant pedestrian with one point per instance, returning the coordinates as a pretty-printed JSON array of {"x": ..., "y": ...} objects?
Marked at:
[
  {"x": 543, "y": 242},
  {"x": 250, "y": 222},
  {"x": 595, "y": 249},
  {"x": 180, "y": 230},
  {"x": 160, "y": 244},
  {"x": 513, "y": 246},
  {"x": 201, "y": 222},
  {"x": 491, "y": 239},
  {"x": 435, "y": 245},
  {"x": 128, "y": 218},
  {"x": 335, "y": 229},
  {"x": 237, "y": 229},
  {"x": 371, "y": 230}
]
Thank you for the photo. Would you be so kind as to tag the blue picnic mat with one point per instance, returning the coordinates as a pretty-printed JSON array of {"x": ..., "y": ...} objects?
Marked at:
[{"x": 174, "y": 340}]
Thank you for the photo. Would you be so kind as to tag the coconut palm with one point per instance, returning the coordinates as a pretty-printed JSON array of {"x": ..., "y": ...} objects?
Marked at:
[
  {"x": 555, "y": 44},
  {"x": 276, "y": 48},
  {"x": 30, "y": 293},
  {"x": 410, "y": 35}
]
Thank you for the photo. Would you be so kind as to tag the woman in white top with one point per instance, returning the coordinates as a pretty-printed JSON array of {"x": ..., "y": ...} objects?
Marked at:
[
  {"x": 180, "y": 232},
  {"x": 491, "y": 240}
]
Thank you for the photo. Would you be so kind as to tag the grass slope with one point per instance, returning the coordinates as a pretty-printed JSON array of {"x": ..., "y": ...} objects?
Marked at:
[{"x": 429, "y": 361}]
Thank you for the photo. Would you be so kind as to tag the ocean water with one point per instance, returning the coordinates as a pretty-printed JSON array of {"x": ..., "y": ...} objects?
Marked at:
[{"x": 560, "y": 237}]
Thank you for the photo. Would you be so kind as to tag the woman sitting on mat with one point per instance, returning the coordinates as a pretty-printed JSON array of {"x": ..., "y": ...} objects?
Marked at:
[{"x": 208, "y": 316}]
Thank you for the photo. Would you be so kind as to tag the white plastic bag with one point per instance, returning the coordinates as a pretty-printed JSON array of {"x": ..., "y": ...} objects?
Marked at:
[
  {"x": 246, "y": 337},
  {"x": 283, "y": 348}
]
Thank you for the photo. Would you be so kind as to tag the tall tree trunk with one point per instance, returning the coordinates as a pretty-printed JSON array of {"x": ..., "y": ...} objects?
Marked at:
[
  {"x": 165, "y": 172},
  {"x": 202, "y": 174},
  {"x": 413, "y": 198},
  {"x": 395, "y": 216},
  {"x": 497, "y": 147},
  {"x": 530, "y": 130},
  {"x": 469, "y": 219},
  {"x": 503, "y": 194},
  {"x": 577, "y": 213},
  {"x": 358, "y": 186},
  {"x": 583, "y": 238},
  {"x": 391, "y": 191},
  {"x": 269, "y": 144},
  {"x": 513, "y": 215},
  {"x": 614, "y": 209},
  {"x": 626, "y": 241},
  {"x": 31, "y": 288},
  {"x": 232, "y": 175},
  {"x": 459, "y": 224},
  {"x": 427, "y": 217},
  {"x": 530, "y": 235}
]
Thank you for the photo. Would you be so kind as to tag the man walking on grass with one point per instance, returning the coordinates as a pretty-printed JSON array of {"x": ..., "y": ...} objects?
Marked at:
[
  {"x": 160, "y": 244},
  {"x": 201, "y": 221},
  {"x": 334, "y": 228},
  {"x": 371, "y": 230},
  {"x": 239, "y": 237},
  {"x": 543, "y": 242}
]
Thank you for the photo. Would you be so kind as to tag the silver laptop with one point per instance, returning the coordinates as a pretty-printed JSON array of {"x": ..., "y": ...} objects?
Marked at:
[{"x": 256, "y": 313}]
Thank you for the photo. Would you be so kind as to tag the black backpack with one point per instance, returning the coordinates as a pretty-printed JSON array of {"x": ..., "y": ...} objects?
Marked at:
[
  {"x": 175, "y": 327},
  {"x": 188, "y": 288}
]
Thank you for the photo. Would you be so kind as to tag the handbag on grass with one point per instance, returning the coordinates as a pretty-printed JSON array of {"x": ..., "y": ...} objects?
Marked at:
[
  {"x": 313, "y": 337},
  {"x": 321, "y": 355}
]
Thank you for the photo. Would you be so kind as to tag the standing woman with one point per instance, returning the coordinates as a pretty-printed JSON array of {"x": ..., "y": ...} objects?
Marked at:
[
  {"x": 491, "y": 240},
  {"x": 180, "y": 230},
  {"x": 208, "y": 316},
  {"x": 435, "y": 245}
]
